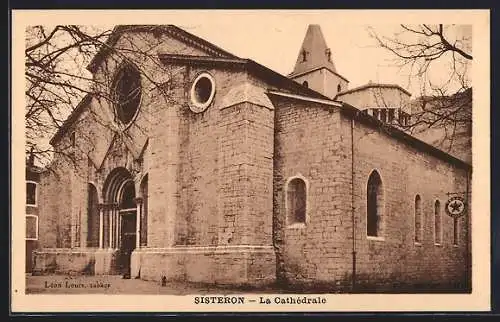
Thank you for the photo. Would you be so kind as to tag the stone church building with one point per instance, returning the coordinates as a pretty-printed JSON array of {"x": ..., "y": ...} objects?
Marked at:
[{"x": 193, "y": 164}]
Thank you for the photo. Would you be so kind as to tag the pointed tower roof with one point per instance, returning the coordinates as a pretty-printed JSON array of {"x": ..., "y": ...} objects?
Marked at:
[{"x": 314, "y": 52}]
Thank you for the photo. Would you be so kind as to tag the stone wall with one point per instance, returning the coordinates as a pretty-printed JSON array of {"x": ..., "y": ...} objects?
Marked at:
[
  {"x": 371, "y": 97},
  {"x": 209, "y": 177},
  {"x": 314, "y": 142},
  {"x": 324, "y": 82},
  {"x": 74, "y": 261},
  {"x": 308, "y": 145},
  {"x": 230, "y": 265},
  {"x": 210, "y": 180},
  {"x": 405, "y": 172}
]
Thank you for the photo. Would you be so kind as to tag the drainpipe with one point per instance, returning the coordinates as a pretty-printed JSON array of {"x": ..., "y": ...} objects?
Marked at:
[
  {"x": 352, "y": 210},
  {"x": 467, "y": 224}
]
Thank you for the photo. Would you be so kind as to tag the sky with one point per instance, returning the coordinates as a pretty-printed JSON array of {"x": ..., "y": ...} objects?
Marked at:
[
  {"x": 274, "y": 38},
  {"x": 357, "y": 57},
  {"x": 277, "y": 46}
]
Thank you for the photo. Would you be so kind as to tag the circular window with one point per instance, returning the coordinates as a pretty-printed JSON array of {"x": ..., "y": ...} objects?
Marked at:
[
  {"x": 127, "y": 93},
  {"x": 202, "y": 92}
]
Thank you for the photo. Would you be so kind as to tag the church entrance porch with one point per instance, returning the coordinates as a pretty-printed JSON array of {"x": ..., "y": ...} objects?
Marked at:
[{"x": 120, "y": 220}]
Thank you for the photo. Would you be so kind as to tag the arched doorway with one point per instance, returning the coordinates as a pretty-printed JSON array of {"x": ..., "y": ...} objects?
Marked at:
[
  {"x": 127, "y": 218},
  {"x": 120, "y": 219}
]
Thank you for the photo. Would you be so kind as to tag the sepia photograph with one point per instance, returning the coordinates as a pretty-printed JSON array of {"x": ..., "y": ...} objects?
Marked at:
[{"x": 235, "y": 162}]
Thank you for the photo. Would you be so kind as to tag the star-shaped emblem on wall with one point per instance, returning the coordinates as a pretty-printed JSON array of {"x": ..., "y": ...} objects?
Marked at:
[{"x": 455, "y": 206}]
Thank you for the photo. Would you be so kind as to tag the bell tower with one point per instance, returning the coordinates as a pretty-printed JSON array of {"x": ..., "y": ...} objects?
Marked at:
[{"x": 315, "y": 68}]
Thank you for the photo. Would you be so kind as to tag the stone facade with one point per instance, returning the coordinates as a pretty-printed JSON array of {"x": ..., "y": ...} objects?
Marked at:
[{"x": 210, "y": 188}]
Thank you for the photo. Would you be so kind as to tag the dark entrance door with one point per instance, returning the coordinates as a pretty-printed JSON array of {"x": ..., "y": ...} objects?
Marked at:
[{"x": 127, "y": 241}]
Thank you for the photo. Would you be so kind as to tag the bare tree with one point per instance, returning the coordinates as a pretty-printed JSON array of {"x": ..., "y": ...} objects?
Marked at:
[
  {"x": 439, "y": 57},
  {"x": 57, "y": 81}
]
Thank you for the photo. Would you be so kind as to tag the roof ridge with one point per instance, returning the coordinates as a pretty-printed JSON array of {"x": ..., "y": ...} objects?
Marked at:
[{"x": 174, "y": 30}]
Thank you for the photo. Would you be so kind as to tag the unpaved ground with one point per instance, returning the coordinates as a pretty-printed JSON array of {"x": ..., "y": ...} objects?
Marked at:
[{"x": 113, "y": 284}]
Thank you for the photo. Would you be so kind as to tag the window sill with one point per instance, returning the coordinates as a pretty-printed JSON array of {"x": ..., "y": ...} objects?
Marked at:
[
  {"x": 297, "y": 225},
  {"x": 31, "y": 205},
  {"x": 376, "y": 238},
  {"x": 455, "y": 245},
  {"x": 418, "y": 244},
  {"x": 438, "y": 244},
  {"x": 33, "y": 239}
]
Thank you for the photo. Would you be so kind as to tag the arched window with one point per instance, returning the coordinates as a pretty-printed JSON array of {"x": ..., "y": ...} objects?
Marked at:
[
  {"x": 92, "y": 217},
  {"x": 328, "y": 53},
  {"x": 144, "y": 214},
  {"x": 305, "y": 84},
  {"x": 438, "y": 232},
  {"x": 374, "y": 205},
  {"x": 339, "y": 88},
  {"x": 72, "y": 139},
  {"x": 418, "y": 219},
  {"x": 296, "y": 201}
]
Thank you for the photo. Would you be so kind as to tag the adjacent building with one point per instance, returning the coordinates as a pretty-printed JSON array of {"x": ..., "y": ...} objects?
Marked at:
[{"x": 32, "y": 175}]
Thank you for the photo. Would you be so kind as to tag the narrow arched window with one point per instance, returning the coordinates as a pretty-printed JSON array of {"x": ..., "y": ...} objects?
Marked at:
[
  {"x": 339, "y": 88},
  {"x": 437, "y": 223},
  {"x": 72, "y": 139},
  {"x": 296, "y": 194},
  {"x": 92, "y": 217},
  {"x": 305, "y": 84},
  {"x": 127, "y": 200},
  {"x": 418, "y": 219},
  {"x": 144, "y": 213},
  {"x": 374, "y": 205}
]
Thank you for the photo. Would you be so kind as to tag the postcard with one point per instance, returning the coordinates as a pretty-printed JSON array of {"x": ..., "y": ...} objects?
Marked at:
[{"x": 250, "y": 160}]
